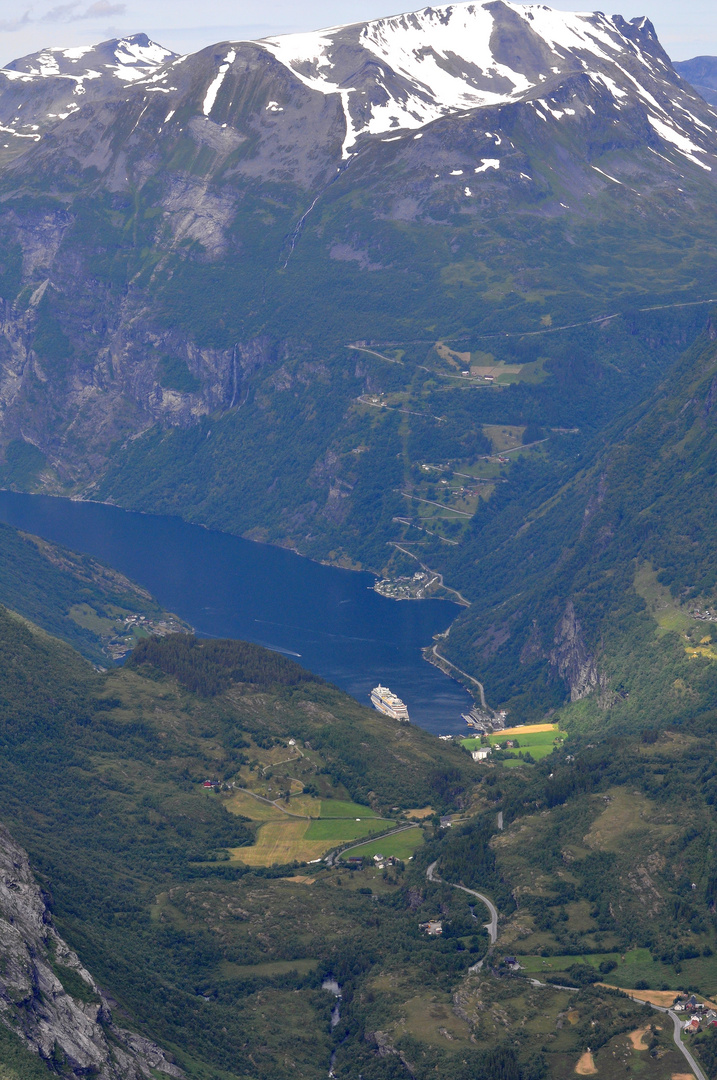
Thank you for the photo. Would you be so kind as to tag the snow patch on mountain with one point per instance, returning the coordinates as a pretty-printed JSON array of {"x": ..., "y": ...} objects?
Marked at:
[
  {"x": 409, "y": 70},
  {"x": 127, "y": 59},
  {"x": 680, "y": 141},
  {"x": 213, "y": 88}
]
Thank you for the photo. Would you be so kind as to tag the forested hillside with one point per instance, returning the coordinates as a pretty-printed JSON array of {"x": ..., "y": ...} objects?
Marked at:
[{"x": 604, "y": 583}]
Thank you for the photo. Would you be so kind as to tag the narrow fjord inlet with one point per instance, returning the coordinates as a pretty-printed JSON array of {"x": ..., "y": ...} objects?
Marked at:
[
  {"x": 329, "y": 619},
  {"x": 358, "y": 542}
]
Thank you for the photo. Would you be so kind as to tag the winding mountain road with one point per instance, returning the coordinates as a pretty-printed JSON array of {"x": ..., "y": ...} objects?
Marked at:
[
  {"x": 492, "y": 926},
  {"x": 678, "y": 1041}
]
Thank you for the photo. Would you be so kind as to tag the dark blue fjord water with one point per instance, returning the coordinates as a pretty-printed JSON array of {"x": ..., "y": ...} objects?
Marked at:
[{"x": 330, "y": 620}]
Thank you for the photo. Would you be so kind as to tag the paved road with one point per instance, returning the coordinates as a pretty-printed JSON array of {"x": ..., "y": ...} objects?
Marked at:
[
  {"x": 439, "y": 656},
  {"x": 492, "y": 926},
  {"x": 331, "y": 858},
  {"x": 461, "y": 599},
  {"x": 679, "y": 1043}
]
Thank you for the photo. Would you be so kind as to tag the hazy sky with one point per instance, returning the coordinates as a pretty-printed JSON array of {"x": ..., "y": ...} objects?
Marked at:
[{"x": 686, "y": 29}]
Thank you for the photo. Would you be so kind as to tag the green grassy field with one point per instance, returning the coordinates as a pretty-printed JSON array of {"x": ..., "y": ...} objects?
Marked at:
[
  {"x": 340, "y": 830},
  {"x": 339, "y": 808},
  {"x": 281, "y": 841},
  {"x": 538, "y": 743},
  {"x": 562, "y": 963},
  {"x": 635, "y": 966},
  {"x": 400, "y": 845}
]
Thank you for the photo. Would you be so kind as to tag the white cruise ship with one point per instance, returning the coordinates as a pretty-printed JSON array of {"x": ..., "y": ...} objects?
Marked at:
[{"x": 387, "y": 703}]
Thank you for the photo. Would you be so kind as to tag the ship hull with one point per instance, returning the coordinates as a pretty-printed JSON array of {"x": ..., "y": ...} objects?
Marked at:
[{"x": 382, "y": 705}]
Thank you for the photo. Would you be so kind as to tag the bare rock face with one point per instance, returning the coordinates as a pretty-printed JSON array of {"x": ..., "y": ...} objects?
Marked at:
[
  {"x": 570, "y": 656},
  {"x": 35, "y": 1005}
]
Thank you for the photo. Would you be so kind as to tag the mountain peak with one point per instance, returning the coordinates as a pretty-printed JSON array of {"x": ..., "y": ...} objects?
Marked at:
[
  {"x": 127, "y": 59},
  {"x": 42, "y": 89},
  {"x": 407, "y": 70}
]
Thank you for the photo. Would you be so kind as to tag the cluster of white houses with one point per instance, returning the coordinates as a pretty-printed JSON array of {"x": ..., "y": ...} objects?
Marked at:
[{"x": 699, "y": 1012}]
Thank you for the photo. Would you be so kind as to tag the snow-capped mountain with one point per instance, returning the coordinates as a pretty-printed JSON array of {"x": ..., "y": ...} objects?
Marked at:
[
  {"x": 387, "y": 77},
  {"x": 406, "y": 71},
  {"x": 126, "y": 59},
  {"x": 395, "y": 75},
  {"x": 39, "y": 90}
]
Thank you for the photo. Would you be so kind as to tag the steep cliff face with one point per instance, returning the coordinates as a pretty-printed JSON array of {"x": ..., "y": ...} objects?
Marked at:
[
  {"x": 570, "y": 656},
  {"x": 48, "y": 997}
]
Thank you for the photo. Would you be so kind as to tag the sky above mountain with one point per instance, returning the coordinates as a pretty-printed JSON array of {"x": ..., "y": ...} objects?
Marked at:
[{"x": 685, "y": 30}]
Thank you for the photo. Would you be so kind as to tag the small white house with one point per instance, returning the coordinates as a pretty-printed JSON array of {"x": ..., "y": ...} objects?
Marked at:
[{"x": 481, "y": 753}]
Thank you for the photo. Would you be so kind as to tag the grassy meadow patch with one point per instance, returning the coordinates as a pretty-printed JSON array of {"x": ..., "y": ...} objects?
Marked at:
[
  {"x": 283, "y": 841},
  {"x": 399, "y": 846},
  {"x": 246, "y": 805}
]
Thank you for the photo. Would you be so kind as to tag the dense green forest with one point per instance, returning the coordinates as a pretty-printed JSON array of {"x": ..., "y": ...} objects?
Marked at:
[{"x": 209, "y": 667}]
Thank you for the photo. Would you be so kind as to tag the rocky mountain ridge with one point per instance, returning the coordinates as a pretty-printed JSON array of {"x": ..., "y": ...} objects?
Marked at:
[
  {"x": 39, "y": 91},
  {"x": 701, "y": 72},
  {"x": 390, "y": 75},
  {"x": 69, "y": 1029}
]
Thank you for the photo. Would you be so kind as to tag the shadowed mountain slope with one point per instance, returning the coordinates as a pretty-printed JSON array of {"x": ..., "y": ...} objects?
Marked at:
[{"x": 701, "y": 71}]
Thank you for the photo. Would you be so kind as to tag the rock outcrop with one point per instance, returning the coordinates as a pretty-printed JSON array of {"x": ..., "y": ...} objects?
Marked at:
[
  {"x": 570, "y": 656},
  {"x": 74, "y": 1027}
]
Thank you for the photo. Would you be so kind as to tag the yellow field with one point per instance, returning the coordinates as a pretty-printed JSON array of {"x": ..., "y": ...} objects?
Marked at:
[
  {"x": 526, "y": 729},
  {"x": 305, "y": 806},
  {"x": 419, "y": 813},
  {"x": 708, "y": 651},
  {"x": 280, "y": 842},
  {"x": 283, "y": 840},
  {"x": 637, "y": 1038},
  {"x": 453, "y": 357},
  {"x": 496, "y": 369},
  {"x": 586, "y": 1065},
  {"x": 655, "y": 997},
  {"x": 247, "y": 806}
]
